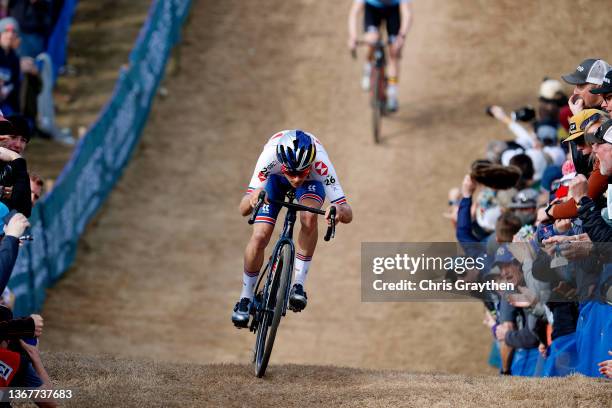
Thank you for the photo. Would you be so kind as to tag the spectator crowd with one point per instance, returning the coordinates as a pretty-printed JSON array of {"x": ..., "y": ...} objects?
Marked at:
[
  {"x": 539, "y": 205},
  {"x": 25, "y": 28}
]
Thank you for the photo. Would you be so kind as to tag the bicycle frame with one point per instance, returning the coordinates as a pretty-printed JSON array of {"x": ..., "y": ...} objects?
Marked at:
[
  {"x": 380, "y": 63},
  {"x": 378, "y": 85},
  {"x": 286, "y": 238}
]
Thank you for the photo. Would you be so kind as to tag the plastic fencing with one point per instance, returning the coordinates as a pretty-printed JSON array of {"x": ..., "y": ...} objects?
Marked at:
[{"x": 97, "y": 162}]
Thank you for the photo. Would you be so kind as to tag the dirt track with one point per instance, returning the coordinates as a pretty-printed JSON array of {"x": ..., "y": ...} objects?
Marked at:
[
  {"x": 159, "y": 270},
  {"x": 119, "y": 382}
]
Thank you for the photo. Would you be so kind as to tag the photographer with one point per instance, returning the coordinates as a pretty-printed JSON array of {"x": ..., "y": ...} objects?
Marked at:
[
  {"x": 14, "y": 179},
  {"x": 21, "y": 362},
  {"x": 540, "y": 145}
]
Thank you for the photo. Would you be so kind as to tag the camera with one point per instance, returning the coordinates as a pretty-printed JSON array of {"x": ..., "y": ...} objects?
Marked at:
[
  {"x": 523, "y": 114},
  {"x": 7, "y": 176}
]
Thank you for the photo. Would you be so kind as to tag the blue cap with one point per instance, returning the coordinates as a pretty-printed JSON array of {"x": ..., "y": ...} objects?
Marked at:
[{"x": 503, "y": 255}]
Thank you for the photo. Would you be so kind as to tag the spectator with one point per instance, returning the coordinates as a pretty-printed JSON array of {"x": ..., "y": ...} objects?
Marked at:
[
  {"x": 35, "y": 18},
  {"x": 605, "y": 367},
  {"x": 587, "y": 121},
  {"x": 13, "y": 170},
  {"x": 525, "y": 164},
  {"x": 589, "y": 75},
  {"x": 10, "y": 67},
  {"x": 9, "y": 246},
  {"x": 23, "y": 359},
  {"x": 606, "y": 92},
  {"x": 553, "y": 103},
  {"x": 36, "y": 186}
]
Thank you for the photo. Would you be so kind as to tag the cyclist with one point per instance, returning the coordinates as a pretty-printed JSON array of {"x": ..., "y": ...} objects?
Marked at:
[
  {"x": 290, "y": 159},
  {"x": 398, "y": 19}
]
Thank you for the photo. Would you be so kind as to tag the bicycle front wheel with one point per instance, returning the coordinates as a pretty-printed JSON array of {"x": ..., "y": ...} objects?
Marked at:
[{"x": 273, "y": 310}]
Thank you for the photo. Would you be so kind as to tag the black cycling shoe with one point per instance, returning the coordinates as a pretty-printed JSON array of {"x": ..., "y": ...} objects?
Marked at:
[
  {"x": 297, "y": 298},
  {"x": 240, "y": 316}
]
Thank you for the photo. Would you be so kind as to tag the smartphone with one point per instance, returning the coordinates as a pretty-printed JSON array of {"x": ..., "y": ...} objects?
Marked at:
[
  {"x": 545, "y": 231},
  {"x": 33, "y": 341}
]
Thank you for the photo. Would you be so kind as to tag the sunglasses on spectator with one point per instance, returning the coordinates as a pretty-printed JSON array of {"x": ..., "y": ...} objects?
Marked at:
[{"x": 301, "y": 173}]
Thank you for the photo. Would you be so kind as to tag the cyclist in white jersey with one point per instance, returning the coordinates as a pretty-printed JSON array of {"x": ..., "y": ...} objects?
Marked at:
[
  {"x": 397, "y": 15},
  {"x": 290, "y": 159}
]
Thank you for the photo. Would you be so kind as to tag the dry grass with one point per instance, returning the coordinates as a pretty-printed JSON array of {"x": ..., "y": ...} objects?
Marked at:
[{"x": 106, "y": 381}]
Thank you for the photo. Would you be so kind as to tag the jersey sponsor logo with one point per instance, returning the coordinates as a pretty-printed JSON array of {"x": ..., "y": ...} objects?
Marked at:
[
  {"x": 579, "y": 68},
  {"x": 321, "y": 168},
  {"x": 312, "y": 188},
  {"x": 265, "y": 172},
  {"x": 265, "y": 208}
]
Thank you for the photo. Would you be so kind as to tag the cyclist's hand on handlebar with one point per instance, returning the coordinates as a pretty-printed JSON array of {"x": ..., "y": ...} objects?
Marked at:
[
  {"x": 328, "y": 215},
  {"x": 255, "y": 197}
]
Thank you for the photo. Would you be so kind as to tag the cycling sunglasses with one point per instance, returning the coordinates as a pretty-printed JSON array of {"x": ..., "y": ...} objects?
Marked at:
[{"x": 301, "y": 173}]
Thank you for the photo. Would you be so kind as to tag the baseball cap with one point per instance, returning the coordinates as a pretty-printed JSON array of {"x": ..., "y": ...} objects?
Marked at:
[
  {"x": 9, "y": 23},
  {"x": 21, "y": 126},
  {"x": 580, "y": 121},
  {"x": 526, "y": 198},
  {"x": 590, "y": 71},
  {"x": 549, "y": 89},
  {"x": 6, "y": 127},
  {"x": 603, "y": 134},
  {"x": 503, "y": 255},
  {"x": 606, "y": 86}
]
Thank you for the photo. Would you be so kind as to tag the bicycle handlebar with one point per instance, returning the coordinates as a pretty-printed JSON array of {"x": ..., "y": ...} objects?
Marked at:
[
  {"x": 331, "y": 229},
  {"x": 260, "y": 200}
]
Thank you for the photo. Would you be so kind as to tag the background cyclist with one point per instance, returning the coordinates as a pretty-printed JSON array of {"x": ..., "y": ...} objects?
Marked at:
[
  {"x": 397, "y": 15},
  {"x": 290, "y": 159}
]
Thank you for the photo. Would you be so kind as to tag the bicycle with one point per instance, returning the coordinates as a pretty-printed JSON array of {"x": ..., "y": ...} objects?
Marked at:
[
  {"x": 270, "y": 302},
  {"x": 378, "y": 85}
]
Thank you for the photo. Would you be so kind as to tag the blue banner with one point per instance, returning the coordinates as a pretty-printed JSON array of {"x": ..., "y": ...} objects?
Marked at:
[
  {"x": 58, "y": 40},
  {"x": 97, "y": 162}
]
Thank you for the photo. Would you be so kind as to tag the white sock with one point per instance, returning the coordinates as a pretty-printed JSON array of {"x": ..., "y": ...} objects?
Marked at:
[
  {"x": 392, "y": 90},
  {"x": 249, "y": 280},
  {"x": 301, "y": 265}
]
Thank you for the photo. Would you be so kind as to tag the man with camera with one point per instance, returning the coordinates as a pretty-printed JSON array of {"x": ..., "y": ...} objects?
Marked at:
[{"x": 14, "y": 178}]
